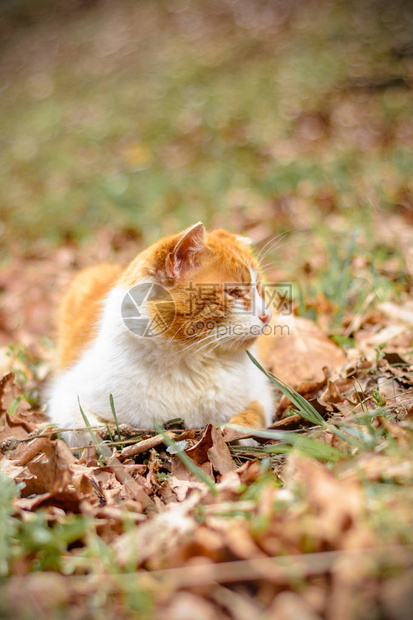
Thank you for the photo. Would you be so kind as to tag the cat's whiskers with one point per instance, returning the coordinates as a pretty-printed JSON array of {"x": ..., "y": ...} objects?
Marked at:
[
  {"x": 192, "y": 346},
  {"x": 266, "y": 267},
  {"x": 273, "y": 240},
  {"x": 184, "y": 324},
  {"x": 271, "y": 245},
  {"x": 207, "y": 341},
  {"x": 272, "y": 249}
]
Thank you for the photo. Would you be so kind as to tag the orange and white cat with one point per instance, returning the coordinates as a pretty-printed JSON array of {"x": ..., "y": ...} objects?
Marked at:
[{"x": 167, "y": 337}]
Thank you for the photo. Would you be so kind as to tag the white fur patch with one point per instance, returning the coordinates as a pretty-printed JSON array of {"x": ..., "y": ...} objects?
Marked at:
[{"x": 259, "y": 305}]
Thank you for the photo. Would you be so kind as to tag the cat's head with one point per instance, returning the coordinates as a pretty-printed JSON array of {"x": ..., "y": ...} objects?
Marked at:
[{"x": 198, "y": 289}]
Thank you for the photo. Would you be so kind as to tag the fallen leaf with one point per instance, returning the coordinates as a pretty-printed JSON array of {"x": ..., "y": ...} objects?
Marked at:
[
  {"x": 20, "y": 424},
  {"x": 291, "y": 606},
  {"x": 301, "y": 354},
  {"x": 402, "y": 313},
  {"x": 212, "y": 447},
  {"x": 337, "y": 504},
  {"x": 136, "y": 491},
  {"x": 50, "y": 467},
  {"x": 158, "y": 536},
  {"x": 182, "y": 480},
  {"x": 44, "y": 592},
  {"x": 187, "y": 606},
  {"x": 10, "y": 468}
]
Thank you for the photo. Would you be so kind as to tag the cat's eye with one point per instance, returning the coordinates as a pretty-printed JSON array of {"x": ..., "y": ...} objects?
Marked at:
[{"x": 235, "y": 292}]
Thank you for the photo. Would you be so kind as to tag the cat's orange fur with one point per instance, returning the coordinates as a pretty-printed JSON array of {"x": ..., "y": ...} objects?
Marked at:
[
  {"x": 80, "y": 309},
  {"x": 223, "y": 259},
  {"x": 82, "y": 302},
  {"x": 254, "y": 416}
]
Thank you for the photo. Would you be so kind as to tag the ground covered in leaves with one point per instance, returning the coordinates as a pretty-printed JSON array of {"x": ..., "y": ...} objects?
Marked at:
[
  {"x": 313, "y": 521},
  {"x": 125, "y": 121}
]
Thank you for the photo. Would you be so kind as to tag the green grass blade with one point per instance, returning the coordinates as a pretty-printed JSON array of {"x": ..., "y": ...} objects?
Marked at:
[
  {"x": 110, "y": 434},
  {"x": 307, "y": 445},
  {"x": 8, "y": 491},
  {"x": 112, "y": 406},
  {"x": 188, "y": 462},
  {"x": 314, "y": 449},
  {"x": 88, "y": 425},
  {"x": 14, "y": 405},
  {"x": 101, "y": 450},
  {"x": 304, "y": 408}
]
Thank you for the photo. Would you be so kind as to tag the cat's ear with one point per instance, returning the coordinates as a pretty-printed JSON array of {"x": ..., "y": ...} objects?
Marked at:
[{"x": 185, "y": 251}]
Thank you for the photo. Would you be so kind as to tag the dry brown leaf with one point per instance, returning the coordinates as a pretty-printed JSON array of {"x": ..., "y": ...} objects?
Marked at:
[
  {"x": 237, "y": 538},
  {"x": 396, "y": 595},
  {"x": 10, "y": 468},
  {"x": 219, "y": 454},
  {"x": 291, "y": 606},
  {"x": 182, "y": 480},
  {"x": 368, "y": 342},
  {"x": 401, "y": 313},
  {"x": 50, "y": 467},
  {"x": 47, "y": 476},
  {"x": 5, "y": 381},
  {"x": 21, "y": 424},
  {"x": 155, "y": 538},
  {"x": 199, "y": 451},
  {"x": 240, "y": 606},
  {"x": 229, "y": 484},
  {"x": 204, "y": 545},
  {"x": 307, "y": 389},
  {"x": 187, "y": 606},
  {"x": 43, "y": 592},
  {"x": 337, "y": 504},
  {"x": 348, "y": 580},
  {"x": 212, "y": 447},
  {"x": 301, "y": 354},
  {"x": 376, "y": 467},
  {"x": 330, "y": 396},
  {"x": 135, "y": 490},
  {"x": 292, "y": 422}
]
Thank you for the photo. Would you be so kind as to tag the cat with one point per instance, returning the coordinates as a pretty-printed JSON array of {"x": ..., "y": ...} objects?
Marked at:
[{"x": 167, "y": 337}]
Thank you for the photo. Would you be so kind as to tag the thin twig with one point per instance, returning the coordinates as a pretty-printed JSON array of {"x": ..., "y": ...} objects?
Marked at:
[{"x": 280, "y": 570}]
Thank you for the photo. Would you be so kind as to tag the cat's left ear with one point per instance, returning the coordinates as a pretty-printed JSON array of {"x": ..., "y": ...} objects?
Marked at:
[{"x": 187, "y": 248}]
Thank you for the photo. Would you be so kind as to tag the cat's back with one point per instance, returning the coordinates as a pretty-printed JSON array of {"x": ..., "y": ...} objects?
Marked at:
[{"x": 80, "y": 310}]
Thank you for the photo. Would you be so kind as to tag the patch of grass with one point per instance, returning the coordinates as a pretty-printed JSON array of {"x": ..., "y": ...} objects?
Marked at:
[
  {"x": 287, "y": 440},
  {"x": 125, "y": 125}
]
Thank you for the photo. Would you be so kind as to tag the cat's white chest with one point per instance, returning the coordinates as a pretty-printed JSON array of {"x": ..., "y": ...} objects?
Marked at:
[{"x": 147, "y": 385}]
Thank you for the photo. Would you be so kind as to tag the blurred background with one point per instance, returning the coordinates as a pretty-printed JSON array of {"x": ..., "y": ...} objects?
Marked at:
[{"x": 124, "y": 121}]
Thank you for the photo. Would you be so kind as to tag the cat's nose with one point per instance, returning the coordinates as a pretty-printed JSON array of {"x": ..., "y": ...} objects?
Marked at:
[{"x": 265, "y": 317}]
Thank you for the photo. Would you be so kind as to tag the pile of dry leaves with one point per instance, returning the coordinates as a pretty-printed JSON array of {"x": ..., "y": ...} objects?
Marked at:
[
  {"x": 259, "y": 531},
  {"x": 312, "y": 521}
]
